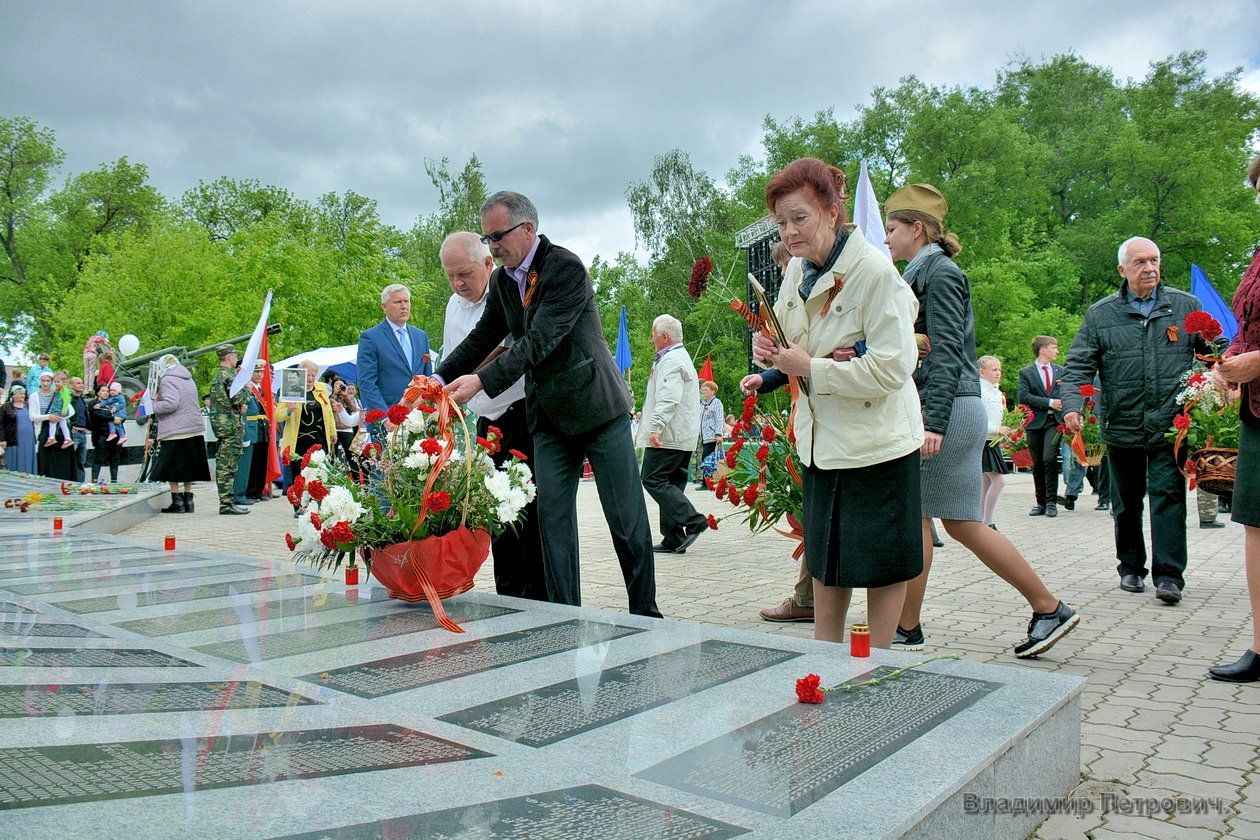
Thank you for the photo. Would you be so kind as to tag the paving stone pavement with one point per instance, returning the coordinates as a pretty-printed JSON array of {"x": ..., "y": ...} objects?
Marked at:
[{"x": 1153, "y": 725}]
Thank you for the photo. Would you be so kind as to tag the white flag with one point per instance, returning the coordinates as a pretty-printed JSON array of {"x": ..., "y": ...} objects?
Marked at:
[
  {"x": 866, "y": 213},
  {"x": 250, "y": 358}
]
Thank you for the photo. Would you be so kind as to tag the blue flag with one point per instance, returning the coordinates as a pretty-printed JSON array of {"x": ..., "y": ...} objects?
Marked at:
[
  {"x": 623, "y": 345},
  {"x": 1213, "y": 303}
]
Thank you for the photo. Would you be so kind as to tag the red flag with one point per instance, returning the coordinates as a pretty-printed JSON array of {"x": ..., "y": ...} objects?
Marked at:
[
  {"x": 269, "y": 408},
  {"x": 706, "y": 372}
]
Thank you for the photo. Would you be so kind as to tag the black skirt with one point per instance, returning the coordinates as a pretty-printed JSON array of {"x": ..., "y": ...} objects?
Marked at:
[
  {"x": 1246, "y": 503},
  {"x": 991, "y": 460},
  {"x": 863, "y": 526},
  {"x": 182, "y": 460}
]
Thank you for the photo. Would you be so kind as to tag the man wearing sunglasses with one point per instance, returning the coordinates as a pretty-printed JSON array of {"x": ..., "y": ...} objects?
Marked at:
[{"x": 576, "y": 405}]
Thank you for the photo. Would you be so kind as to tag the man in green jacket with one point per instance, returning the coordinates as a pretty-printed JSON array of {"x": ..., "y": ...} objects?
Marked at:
[{"x": 1135, "y": 340}]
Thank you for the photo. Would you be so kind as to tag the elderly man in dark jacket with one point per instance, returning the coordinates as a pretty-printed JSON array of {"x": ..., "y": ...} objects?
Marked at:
[{"x": 1135, "y": 340}]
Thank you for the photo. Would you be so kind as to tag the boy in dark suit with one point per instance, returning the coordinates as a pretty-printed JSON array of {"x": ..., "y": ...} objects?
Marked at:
[{"x": 1039, "y": 390}]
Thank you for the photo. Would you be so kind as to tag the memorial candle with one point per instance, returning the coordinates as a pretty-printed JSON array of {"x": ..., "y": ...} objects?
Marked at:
[{"x": 860, "y": 640}]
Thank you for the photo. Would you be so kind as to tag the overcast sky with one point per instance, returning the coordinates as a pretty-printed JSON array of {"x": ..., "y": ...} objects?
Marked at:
[{"x": 566, "y": 102}]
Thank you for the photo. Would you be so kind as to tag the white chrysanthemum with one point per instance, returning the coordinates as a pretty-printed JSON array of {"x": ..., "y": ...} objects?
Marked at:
[
  {"x": 418, "y": 460},
  {"x": 417, "y": 423},
  {"x": 499, "y": 485},
  {"x": 505, "y": 513},
  {"x": 306, "y": 530},
  {"x": 520, "y": 471},
  {"x": 340, "y": 506},
  {"x": 318, "y": 457}
]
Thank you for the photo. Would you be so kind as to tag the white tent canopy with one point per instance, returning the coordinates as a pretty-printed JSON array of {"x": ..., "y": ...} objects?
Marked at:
[{"x": 340, "y": 359}]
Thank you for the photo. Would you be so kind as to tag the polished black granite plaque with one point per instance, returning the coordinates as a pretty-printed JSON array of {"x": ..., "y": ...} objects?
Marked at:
[
  {"x": 13, "y": 565},
  {"x": 52, "y": 567},
  {"x": 27, "y": 627},
  {"x": 139, "y": 578},
  {"x": 105, "y": 698},
  {"x": 413, "y": 619},
  {"x": 103, "y": 603},
  {"x": 90, "y": 658},
  {"x": 257, "y": 609},
  {"x": 789, "y": 760},
  {"x": 411, "y": 670},
  {"x": 547, "y": 715},
  {"x": 11, "y": 607},
  {"x": 59, "y": 775},
  {"x": 588, "y": 811}
]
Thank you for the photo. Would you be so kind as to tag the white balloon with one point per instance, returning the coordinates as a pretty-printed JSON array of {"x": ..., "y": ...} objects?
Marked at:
[{"x": 128, "y": 344}]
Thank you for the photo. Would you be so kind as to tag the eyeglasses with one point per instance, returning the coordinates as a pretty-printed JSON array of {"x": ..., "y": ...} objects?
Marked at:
[{"x": 498, "y": 235}]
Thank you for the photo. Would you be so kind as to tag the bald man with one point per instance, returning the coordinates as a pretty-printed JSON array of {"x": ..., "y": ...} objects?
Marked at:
[
  {"x": 1135, "y": 340},
  {"x": 518, "y": 559}
]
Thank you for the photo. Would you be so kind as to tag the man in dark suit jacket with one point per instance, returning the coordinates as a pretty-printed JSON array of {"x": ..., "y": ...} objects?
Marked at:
[
  {"x": 576, "y": 405},
  {"x": 1039, "y": 390},
  {"x": 391, "y": 353}
]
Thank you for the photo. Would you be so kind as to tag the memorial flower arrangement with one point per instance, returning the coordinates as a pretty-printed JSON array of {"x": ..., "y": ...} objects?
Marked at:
[
  {"x": 1087, "y": 444},
  {"x": 765, "y": 475},
  {"x": 1208, "y": 428},
  {"x": 809, "y": 688},
  {"x": 428, "y": 498}
]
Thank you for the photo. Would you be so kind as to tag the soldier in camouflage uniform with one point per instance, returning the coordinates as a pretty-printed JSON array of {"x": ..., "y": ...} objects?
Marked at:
[{"x": 229, "y": 427}]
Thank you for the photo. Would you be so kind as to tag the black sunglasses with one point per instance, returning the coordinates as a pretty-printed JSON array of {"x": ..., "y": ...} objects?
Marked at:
[{"x": 498, "y": 235}]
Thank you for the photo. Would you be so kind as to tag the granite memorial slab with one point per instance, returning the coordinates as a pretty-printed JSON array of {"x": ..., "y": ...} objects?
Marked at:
[
  {"x": 139, "y": 578},
  {"x": 588, "y": 811},
  {"x": 789, "y": 760},
  {"x": 105, "y": 603},
  {"x": 412, "y": 670},
  {"x": 11, "y": 607},
  {"x": 556, "y": 712},
  {"x": 414, "y": 619},
  {"x": 51, "y": 699},
  {"x": 90, "y": 658},
  {"x": 27, "y": 628},
  {"x": 134, "y": 559},
  {"x": 12, "y": 563},
  {"x": 63, "y": 774},
  {"x": 255, "y": 611}
]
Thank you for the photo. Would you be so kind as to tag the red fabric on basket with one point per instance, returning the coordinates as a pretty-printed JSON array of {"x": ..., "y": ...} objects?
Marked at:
[{"x": 432, "y": 569}]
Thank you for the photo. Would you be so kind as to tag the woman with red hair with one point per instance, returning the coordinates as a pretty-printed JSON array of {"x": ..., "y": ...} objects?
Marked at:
[{"x": 857, "y": 424}]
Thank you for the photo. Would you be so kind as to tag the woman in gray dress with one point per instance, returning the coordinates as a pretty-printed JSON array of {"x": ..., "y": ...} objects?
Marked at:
[
  {"x": 954, "y": 422},
  {"x": 17, "y": 435}
]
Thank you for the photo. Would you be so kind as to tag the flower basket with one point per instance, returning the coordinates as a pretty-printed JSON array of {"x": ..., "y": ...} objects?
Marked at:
[
  {"x": 432, "y": 569},
  {"x": 1215, "y": 468}
]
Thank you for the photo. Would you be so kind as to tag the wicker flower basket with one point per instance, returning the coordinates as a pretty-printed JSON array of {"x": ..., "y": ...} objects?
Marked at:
[{"x": 1214, "y": 469}]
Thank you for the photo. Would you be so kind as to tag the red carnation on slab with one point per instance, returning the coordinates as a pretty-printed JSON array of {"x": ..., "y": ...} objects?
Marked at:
[
  {"x": 807, "y": 689},
  {"x": 700, "y": 277},
  {"x": 397, "y": 414},
  {"x": 374, "y": 416},
  {"x": 438, "y": 501}
]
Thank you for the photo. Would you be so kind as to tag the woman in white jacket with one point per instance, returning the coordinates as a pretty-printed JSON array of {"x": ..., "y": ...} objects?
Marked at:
[
  {"x": 859, "y": 429},
  {"x": 992, "y": 464}
]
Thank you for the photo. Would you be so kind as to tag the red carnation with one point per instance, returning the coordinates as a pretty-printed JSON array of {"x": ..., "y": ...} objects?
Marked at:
[
  {"x": 1093, "y": 421},
  {"x": 317, "y": 490},
  {"x": 374, "y": 416},
  {"x": 737, "y": 429},
  {"x": 316, "y": 521},
  {"x": 485, "y": 444},
  {"x": 425, "y": 408},
  {"x": 342, "y": 533},
  {"x": 328, "y": 539},
  {"x": 712, "y": 520},
  {"x": 1088, "y": 391},
  {"x": 720, "y": 489},
  {"x": 763, "y": 452},
  {"x": 1197, "y": 378},
  {"x": 290, "y": 542},
  {"x": 286, "y": 457},
  {"x": 397, "y": 414},
  {"x": 371, "y": 449},
  {"x": 1197, "y": 321},
  {"x": 310, "y": 453},
  {"x": 709, "y": 482},
  {"x": 731, "y": 455},
  {"x": 700, "y": 277},
  {"x": 438, "y": 501},
  {"x": 430, "y": 446},
  {"x": 1181, "y": 422},
  {"x": 293, "y": 495},
  {"x": 792, "y": 435},
  {"x": 518, "y": 454},
  {"x": 493, "y": 433},
  {"x": 768, "y": 434},
  {"x": 1212, "y": 331},
  {"x": 807, "y": 689},
  {"x": 1061, "y": 428},
  {"x": 300, "y": 484},
  {"x": 750, "y": 495},
  {"x": 732, "y": 495}
]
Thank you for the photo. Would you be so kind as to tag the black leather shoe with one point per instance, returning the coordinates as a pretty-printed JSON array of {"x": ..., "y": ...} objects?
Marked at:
[
  {"x": 1132, "y": 583},
  {"x": 242, "y": 502},
  {"x": 1039, "y": 510},
  {"x": 1069, "y": 503},
  {"x": 1103, "y": 506},
  {"x": 1215, "y": 523},
  {"x": 1246, "y": 669},
  {"x": 661, "y": 548},
  {"x": 1168, "y": 592},
  {"x": 693, "y": 534},
  {"x": 1052, "y": 511}
]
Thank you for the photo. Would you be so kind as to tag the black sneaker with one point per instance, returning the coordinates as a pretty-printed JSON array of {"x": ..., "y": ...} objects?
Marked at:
[
  {"x": 908, "y": 639},
  {"x": 1045, "y": 629}
]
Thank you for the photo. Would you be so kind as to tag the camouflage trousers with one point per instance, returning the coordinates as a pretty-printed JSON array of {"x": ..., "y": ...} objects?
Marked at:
[{"x": 231, "y": 437}]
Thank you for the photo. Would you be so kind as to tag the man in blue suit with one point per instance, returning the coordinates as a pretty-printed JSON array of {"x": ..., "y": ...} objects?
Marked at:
[{"x": 391, "y": 353}]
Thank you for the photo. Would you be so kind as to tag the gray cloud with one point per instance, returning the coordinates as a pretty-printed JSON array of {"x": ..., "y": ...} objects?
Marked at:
[{"x": 568, "y": 102}]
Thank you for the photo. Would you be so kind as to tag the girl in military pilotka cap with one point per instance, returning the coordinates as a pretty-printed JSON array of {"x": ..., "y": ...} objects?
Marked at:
[{"x": 954, "y": 421}]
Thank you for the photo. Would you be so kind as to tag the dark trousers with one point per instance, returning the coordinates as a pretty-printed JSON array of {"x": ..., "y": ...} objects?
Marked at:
[
  {"x": 105, "y": 454},
  {"x": 557, "y": 470},
  {"x": 706, "y": 449},
  {"x": 1045, "y": 459},
  {"x": 1100, "y": 480},
  {"x": 664, "y": 477},
  {"x": 1135, "y": 474},
  {"x": 518, "y": 552},
  {"x": 258, "y": 466},
  {"x": 80, "y": 437}
]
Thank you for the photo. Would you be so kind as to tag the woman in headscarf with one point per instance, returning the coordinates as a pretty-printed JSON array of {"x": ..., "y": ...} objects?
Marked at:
[
  {"x": 181, "y": 434},
  {"x": 53, "y": 461},
  {"x": 954, "y": 422},
  {"x": 17, "y": 435}
]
